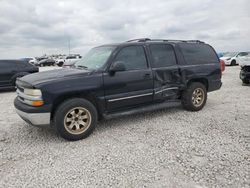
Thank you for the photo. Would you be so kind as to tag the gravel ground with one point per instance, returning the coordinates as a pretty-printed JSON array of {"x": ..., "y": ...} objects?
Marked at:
[{"x": 166, "y": 148}]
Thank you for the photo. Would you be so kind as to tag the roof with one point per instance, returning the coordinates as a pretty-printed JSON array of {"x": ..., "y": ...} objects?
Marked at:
[
  {"x": 164, "y": 40},
  {"x": 148, "y": 40}
]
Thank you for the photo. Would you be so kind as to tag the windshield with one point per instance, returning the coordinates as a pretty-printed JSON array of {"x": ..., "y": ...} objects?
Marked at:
[
  {"x": 95, "y": 58},
  {"x": 229, "y": 54}
]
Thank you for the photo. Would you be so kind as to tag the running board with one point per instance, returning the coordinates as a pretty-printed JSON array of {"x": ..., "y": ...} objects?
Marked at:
[{"x": 148, "y": 108}]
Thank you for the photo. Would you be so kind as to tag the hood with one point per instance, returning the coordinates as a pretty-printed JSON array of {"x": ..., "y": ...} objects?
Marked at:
[
  {"x": 225, "y": 57},
  {"x": 53, "y": 75}
]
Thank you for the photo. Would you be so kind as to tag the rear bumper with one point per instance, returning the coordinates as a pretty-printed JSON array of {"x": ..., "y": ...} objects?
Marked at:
[
  {"x": 214, "y": 85},
  {"x": 37, "y": 116}
]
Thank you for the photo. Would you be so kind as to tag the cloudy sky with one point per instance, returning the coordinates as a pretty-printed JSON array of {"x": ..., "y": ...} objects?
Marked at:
[{"x": 33, "y": 28}]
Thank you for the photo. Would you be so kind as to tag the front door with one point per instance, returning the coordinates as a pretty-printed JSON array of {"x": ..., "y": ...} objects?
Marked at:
[
  {"x": 131, "y": 87},
  {"x": 167, "y": 78}
]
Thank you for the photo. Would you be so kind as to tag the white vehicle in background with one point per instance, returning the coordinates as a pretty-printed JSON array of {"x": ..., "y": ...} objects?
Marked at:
[
  {"x": 60, "y": 61},
  {"x": 233, "y": 58},
  {"x": 33, "y": 60},
  {"x": 71, "y": 60},
  {"x": 68, "y": 60}
]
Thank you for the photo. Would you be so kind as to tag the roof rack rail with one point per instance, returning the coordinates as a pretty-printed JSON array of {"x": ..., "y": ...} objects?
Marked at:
[
  {"x": 164, "y": 40},
  {"x": 172, "y": 40},
  {"x": 139, "y": 40}
]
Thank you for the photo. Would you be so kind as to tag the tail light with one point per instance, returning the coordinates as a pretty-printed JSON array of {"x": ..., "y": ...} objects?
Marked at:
[{"x": 222, "y": 65}]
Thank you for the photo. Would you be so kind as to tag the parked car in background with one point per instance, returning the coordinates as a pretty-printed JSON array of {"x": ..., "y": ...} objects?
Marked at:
[
  {"x": 245, "y": 68},
  {"x": 71, "y": 60},
  {"x": 10, "y": 70},
  {"x": 60, "y": 61},
  {"x": 45, "y": 62},
  {"x": 33, "y": 60},
  {"x": 233, "y": 58},
  {"x": 119, "y": 79}
]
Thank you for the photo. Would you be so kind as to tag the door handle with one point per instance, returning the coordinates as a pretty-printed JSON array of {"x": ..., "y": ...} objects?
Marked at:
[{"x": 147, "y": 75}]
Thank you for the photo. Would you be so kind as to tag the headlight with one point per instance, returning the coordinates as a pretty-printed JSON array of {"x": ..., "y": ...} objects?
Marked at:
[
  {"x": 32, "y": 97},
  {"x": 33, "y": 92},
  {"x": 228, "y": 58}
]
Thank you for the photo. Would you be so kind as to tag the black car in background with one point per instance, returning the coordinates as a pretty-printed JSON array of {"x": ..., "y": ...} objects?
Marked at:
[
  {"x": 10, "y": 70},
  {"x": 45, "y": 62}
]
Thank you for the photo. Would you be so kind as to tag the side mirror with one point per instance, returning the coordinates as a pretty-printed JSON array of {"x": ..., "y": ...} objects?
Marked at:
[{"x": 117, "y": 66}]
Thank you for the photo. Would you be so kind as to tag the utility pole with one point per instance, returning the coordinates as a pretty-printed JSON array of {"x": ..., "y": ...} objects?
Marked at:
[{"x": 69, "y": 44}]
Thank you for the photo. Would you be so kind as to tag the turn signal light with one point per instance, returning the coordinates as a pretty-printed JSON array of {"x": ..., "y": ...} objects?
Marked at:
[{"x": 37, "y": 103}]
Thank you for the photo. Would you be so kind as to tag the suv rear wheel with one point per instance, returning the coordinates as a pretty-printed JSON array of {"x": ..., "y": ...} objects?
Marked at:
[
  {"x": 75, "y": 119},
  {"x": 194, "y": 97}
]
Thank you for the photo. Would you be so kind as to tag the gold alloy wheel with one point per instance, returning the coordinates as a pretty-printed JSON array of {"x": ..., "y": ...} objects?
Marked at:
[
  {"x": 198, "y": 97},
  {"x": 77, "y": 120}
]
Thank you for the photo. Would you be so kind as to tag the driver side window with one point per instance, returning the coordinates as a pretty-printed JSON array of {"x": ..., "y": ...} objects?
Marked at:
[{"x": 133, "y": 57}]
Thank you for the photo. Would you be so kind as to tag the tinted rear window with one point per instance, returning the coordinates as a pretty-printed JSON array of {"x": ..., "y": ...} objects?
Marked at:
[
  {"x": 163, "y": 55},
  {"x": 198, "y": 54}
]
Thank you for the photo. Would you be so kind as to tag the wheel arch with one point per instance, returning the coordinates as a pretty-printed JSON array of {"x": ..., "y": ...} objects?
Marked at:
[
  {"x": 204, "y": 81},
  {"x": 84, "y": 95}
]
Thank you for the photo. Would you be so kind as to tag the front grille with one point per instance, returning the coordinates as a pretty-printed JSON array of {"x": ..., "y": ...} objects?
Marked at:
[
  {"x": 20, "y": 88},
  {"x": 246, "y": 68}
]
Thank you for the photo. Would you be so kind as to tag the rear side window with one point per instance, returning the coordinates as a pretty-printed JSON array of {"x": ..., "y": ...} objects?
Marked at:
[
  {"x": 198, "y": 54},
  {"x": 242, "y": 54},
  {"x": 163, "y": 55},
  {"x": 133, "y": 57},
  {"x": 8, "y": 64}
]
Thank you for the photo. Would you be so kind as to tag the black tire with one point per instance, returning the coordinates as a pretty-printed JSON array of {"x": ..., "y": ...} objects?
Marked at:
[
  {"x": 245, "y": 81},
  {"x": 62, "y": 112},
  {"x": 187, "y": 96},
  {"x": 233, "y": 63},
  {"x": 60, "y": 64}
]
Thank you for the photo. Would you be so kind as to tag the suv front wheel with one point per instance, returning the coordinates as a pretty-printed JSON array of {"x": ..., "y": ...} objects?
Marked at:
[
  {"x": 75, "y": 119},
  {"x": 194, "y": 97}
]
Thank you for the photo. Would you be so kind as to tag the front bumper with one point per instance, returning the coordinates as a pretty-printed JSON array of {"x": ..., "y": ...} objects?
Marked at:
[
  {"x": 227, "y": 62},
  {"x": 37, "y": 116},
  {"x": 36, "y": 119},
  {"x": 244, "y": 75}
]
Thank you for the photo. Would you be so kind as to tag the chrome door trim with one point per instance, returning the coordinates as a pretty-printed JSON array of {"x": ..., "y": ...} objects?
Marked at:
[
  {"x": 130, "y": 97},
  {"x": 170, "y": 88}
]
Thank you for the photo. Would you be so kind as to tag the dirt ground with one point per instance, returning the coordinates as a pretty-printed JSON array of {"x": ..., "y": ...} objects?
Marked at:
[{"x": 166, "y": 148}]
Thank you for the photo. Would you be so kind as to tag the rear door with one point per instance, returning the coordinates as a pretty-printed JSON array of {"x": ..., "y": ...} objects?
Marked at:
[
  {"x": 167, "y": 78},
  {"x": 131, "y": 87}
]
